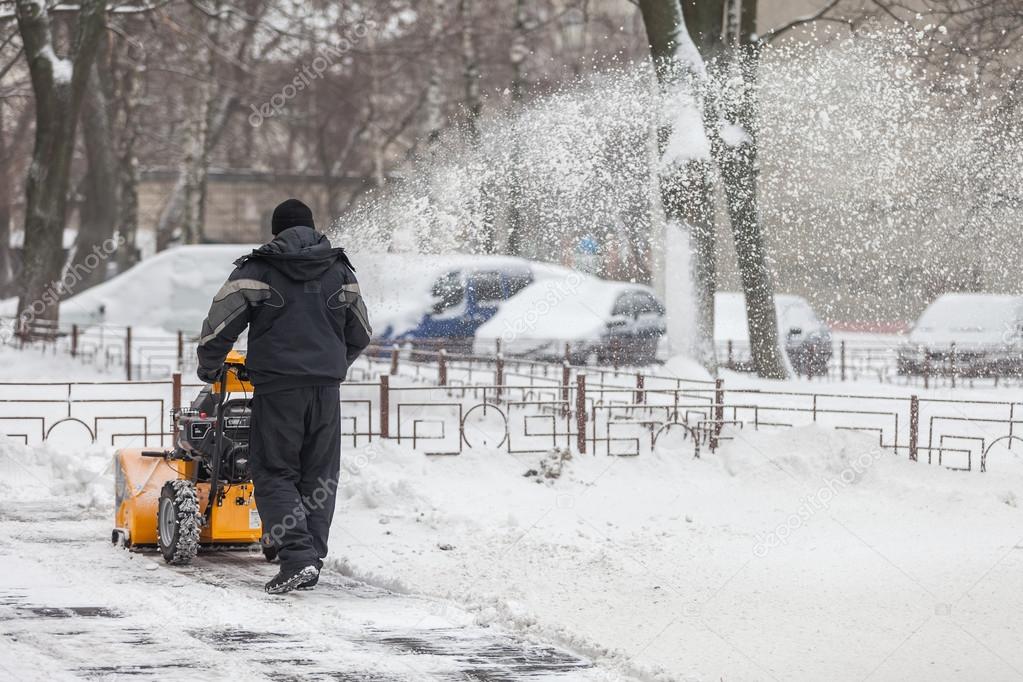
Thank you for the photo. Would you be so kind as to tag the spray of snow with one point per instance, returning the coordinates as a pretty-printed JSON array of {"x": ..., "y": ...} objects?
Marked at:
[{"x": 859, "y": 150}]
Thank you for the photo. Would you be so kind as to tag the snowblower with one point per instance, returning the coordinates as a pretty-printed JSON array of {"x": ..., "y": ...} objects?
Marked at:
[{"x": 198, "y": 493}]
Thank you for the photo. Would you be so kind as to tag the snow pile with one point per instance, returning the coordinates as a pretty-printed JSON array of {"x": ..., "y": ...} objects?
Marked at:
[
  {"x": 39, "y": 363},
  {"x": 81, "y": 477},
  {"x": 684, "y": 367},
  {"x": 172, "y": 290}
]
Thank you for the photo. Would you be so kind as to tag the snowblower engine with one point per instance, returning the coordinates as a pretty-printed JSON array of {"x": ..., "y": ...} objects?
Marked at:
[
  {"x": 198, "y": 493},
  {"x": 197, "y": 435}
]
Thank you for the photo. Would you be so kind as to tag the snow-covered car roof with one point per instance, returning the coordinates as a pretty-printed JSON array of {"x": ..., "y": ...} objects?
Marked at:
[
  {"x": 398, "y": 287},
  {"x": 970, "y": 318},
  {"x": 566, "y": 307}
]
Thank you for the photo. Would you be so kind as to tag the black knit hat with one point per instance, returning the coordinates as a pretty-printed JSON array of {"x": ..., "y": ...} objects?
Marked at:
[{"x": 291, "y": 213}]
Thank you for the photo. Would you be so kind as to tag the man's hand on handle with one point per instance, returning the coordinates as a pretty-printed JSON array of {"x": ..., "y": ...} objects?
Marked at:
[{"x": 211, "y": 376}]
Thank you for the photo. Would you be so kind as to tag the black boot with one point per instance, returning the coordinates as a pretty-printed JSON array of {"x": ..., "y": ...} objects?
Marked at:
[
  {"x": 310, "y": 584},
  {"x": 286, "y": 581}
]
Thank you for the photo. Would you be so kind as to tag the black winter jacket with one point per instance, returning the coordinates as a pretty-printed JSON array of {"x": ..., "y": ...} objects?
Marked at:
[{"x": 306, "y": 317}]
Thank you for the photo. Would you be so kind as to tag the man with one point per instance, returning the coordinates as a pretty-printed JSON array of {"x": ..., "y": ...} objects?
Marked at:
[{"x": 307, "y": 324}]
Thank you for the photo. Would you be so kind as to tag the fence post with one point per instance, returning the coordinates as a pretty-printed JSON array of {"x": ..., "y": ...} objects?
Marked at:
[
  {"x": 580, "y": 412},
  {"x": 927, "y": 370},
  {"x": 914, "y": 427},
  {"x": 640, "y": 384},
  {"x": 499, "y": 373},
  {"x": 127, "y": 352},
  {"x": 442, "y": 367},
  {"x": 394, "y": 360},
  {"x": 566, "y": 376},
  {"x": 181, "y": 350},
  {"x": 385, "y": 406},
  {"x": 74, "y": 340},
  {"x": 952, "y": 368},
  {"x": 841, "y": 352},
  {"x": 719, "y": 412},
  {"x": 176, "y": 392}
]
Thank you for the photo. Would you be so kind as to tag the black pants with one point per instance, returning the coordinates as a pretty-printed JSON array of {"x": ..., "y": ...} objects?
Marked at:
[{"x": 295, "y": 457}]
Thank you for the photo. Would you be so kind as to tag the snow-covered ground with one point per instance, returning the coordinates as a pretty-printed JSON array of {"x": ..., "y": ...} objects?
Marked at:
[
  {"x": 74, "y": 607},
  {"x": 798, "y": 554}
]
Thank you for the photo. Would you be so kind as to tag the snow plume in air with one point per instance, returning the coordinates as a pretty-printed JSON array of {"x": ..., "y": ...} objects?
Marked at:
[
  {"x": 880, "y": 171},
  {"x": 573, "y": 164},
  {"x": 887, "y": 169}
]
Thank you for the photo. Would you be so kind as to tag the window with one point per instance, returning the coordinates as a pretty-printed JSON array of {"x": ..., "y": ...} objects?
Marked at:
[
  {"x": 645, "y": 303},
  {"x": 636, "y": 303},
  {"x": 625, "y": 305},
  {"x": 487, "y": 287},
  {"x": 448, "y": 291}
]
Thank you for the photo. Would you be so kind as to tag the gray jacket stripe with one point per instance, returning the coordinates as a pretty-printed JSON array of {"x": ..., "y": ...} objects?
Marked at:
[
  {"x": 230, "y": 302},
  {"x": 349, "y": 296},
  {"x": 232, "y": 286},
  {"x": 360, "y": 313}
]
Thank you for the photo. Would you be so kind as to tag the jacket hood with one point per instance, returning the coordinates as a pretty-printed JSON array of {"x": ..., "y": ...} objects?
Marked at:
[{"x": 301, "y": 253}]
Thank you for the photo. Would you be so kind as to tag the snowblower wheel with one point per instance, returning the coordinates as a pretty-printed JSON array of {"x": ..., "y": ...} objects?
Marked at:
[{"x": 178, "y": 522}]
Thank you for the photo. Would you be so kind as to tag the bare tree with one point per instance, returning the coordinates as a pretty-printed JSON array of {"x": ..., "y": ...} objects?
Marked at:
[
  {"x": 59, "y": 87},
  {"x": 222, "y": 67}
]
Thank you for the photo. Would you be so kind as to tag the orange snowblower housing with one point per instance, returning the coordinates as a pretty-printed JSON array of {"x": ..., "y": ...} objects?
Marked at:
[{"x": 163, "y": 497}]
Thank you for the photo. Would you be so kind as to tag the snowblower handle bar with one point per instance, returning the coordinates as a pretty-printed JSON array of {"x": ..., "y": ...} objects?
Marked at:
[
  {"x": 217, "y": 450},
  {"x": 234, "y": 378}
]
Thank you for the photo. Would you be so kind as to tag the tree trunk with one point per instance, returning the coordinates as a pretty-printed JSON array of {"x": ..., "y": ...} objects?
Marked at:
[
  {"x": 517, "y": 57},
  {"x": 8, "y": 142},
  {"x": 685, "y": 183},
  {"x": 99, "y": 212},
  {"x": 470, "y": 72},
  {"x": 737, "y": 160},
  {"x": 128, "y": 167},
  {"x": 434, "y": 89},
  {"x": 484, "y": 238},
  {"x": 182, "y": 215},
  {"x": 58, "y": 87}
]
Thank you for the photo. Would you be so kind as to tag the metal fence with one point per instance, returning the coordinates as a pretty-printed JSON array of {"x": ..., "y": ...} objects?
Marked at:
[
  {"x": 441, "y": 404},
  {"x": 147, "y": 354}
]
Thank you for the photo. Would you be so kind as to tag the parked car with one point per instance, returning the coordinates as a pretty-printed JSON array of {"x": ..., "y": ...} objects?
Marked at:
[
  {"x": 807, "y": 339},
  {"x": 461, "y": 299},
  {"x": 976, "y": 334},
  {"x": 599, "y": 320}
]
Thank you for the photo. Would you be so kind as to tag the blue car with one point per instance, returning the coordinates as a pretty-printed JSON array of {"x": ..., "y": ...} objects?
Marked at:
[{"x": 464, "y": 298}]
